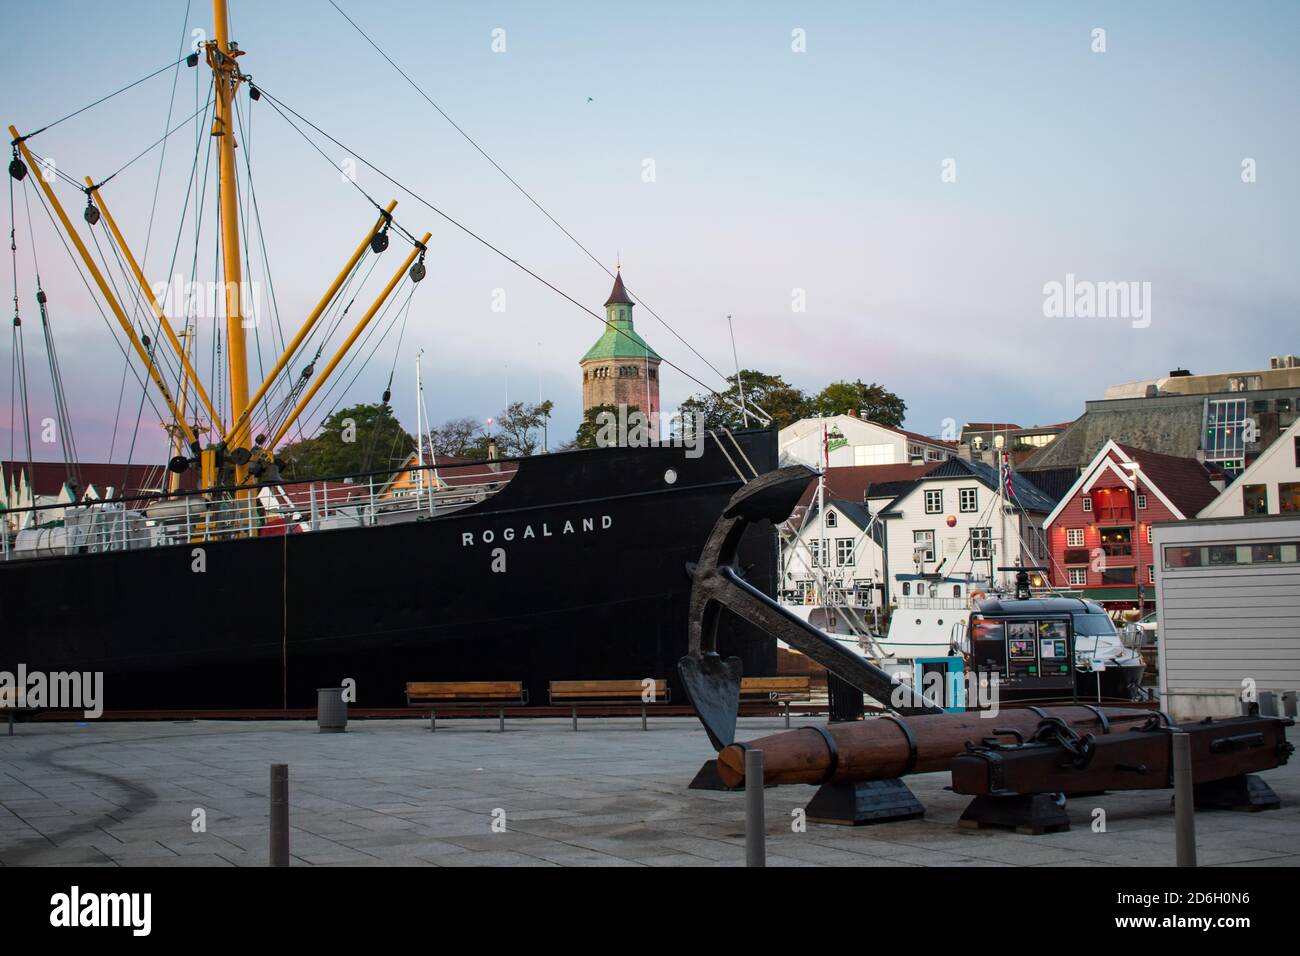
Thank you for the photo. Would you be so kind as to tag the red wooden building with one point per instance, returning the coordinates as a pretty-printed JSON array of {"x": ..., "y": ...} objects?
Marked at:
[{"x": 1099, "y": 534}]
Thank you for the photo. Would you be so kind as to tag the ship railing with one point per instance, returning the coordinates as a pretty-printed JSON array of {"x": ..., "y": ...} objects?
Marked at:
[
  {"x": 156, "y": 519},
  {"x": 937, "y": 603}
]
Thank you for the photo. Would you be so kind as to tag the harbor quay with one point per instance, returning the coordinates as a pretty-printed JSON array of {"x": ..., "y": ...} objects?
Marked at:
[{"x": 390, "y": 793}]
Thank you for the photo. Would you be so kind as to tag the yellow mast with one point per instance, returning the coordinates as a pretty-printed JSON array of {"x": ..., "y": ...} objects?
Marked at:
[
  {"x": 115, "y": 306},
  {"x": 343, "y": 349},
  {"x": 189, "y": 374},
  {"x": 222, "y": 58}
]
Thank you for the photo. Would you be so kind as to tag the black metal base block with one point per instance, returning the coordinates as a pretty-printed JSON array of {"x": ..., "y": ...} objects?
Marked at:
[
  {"x": 1247, "y": 792},
  {"x": 862, "y": 802},
  {"x": 707, "y": 779},
  {"x": 1030, "y": 813}
]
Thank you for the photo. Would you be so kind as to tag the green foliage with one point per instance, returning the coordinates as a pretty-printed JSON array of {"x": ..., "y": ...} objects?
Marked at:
[
  {"x": 520, "y": 428},
  {"x": 774, "y": 395},
  {"x": 588, "y": 430},
  {"x": 352, "y": 441},
  {"x": 786, "y": 403},
  {"x": 872, "y": 402}
]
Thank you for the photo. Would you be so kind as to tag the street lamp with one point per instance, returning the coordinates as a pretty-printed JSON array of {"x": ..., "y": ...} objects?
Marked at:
[{"x": 1134, "y": 469}]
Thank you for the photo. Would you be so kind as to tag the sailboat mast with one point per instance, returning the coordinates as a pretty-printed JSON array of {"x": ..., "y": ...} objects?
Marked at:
[
  {"x": 419, "y": 423},
  {"x": 222, "y": 58}
]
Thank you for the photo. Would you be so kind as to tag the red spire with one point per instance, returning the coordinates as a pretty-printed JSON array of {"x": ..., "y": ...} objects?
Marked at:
[{"x": 618, "y": 295}]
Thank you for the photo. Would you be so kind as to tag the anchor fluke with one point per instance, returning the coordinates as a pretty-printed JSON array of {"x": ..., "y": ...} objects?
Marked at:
[{"x": 712, "y": 685}]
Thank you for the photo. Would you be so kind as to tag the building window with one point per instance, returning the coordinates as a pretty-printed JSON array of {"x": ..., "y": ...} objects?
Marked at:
[
  {"x": 1142, "y": 502},
  {"x": 1151, "y": 574},
  {"x": 1148, "y": 534},
  {"x": 1219, "y": 555},
  {"x": 923, "y": 541},
  {"x": 1078, "y": 577},
  {"x": 1288, "y": 497},
  {"x": 832, "y": 519},
  {"x": 981, "y": 544},
  {"x": 968, "y": 499},
  {"x": 1297, "y": 451},
  {"x": 843, "y": 551},
  {"x": 1254, "y": 499},
  {"x": 1074, "y": 537},
  {"x": 873, "y": 454},
  {"x": 1225, "y": 429},
  {"x": 934, "y": 502},
  {"x": 815, "y": 552},
  {"x": 1087, "y": 502}
]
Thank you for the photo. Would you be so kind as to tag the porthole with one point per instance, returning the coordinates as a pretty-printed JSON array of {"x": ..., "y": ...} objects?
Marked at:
[{"x": 670, "y": 477}]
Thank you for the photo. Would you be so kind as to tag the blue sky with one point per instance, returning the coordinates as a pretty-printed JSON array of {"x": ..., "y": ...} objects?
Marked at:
[{"x": 775, "y": 171}]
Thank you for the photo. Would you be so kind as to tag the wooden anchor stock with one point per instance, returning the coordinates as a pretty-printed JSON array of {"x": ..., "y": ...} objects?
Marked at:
[{"x": 893, "y": 746}]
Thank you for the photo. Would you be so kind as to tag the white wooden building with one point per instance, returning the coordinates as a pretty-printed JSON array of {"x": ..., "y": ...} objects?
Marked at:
[
  {"x": 1228, "y": 596},
  {"x": 839, "y": 548},
  {"x": 855, "y": 441},
  {"x": 1270, "y": 485},
  {"x": 951, "y": 522}
]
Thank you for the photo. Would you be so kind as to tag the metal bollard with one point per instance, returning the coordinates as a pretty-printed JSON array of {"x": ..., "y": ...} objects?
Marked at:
[
  {"x": 279, "y": 814},
  {"x": 755, "y": 822},
  {"x": 1184, "y": 810}
]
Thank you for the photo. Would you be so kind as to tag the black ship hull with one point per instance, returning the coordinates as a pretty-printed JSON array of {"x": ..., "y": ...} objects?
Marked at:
[{"x": 576, "y": 569}]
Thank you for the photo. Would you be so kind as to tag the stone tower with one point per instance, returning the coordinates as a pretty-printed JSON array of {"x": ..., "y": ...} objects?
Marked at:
[{"x": 621, "y": 368}]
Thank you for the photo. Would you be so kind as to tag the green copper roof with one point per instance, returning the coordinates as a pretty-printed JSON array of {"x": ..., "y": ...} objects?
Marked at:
[{"x": 620, "y": 341}]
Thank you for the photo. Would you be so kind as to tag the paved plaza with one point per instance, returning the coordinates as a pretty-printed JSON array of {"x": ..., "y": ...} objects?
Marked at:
[{"x": 389, "y": 792}]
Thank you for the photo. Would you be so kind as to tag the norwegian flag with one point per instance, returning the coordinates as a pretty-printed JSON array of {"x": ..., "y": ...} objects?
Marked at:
[{"x": 1006, "y": 476}]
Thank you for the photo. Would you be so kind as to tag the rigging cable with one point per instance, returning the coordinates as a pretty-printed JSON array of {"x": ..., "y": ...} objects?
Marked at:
[
  {"x": 528, "y": 195},
  {"x": 473, "y": 235},
  {"x": 62, "y": 410},
  {"x": 103, "y": 98},
  {"x": 95, "y": 299},
  {"x": 19, "y": 360}
]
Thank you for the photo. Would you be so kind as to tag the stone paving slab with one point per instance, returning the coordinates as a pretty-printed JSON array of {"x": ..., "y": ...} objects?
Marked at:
[{"x": 390, "y": 793}]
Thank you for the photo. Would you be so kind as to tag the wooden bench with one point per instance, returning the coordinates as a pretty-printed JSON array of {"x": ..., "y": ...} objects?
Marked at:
[
  {"x": 780, "y": 689},
  {"x": 459, "y": 695},
  {"x": 575, "y": 692},
  {"x": 9, "y": 701}
]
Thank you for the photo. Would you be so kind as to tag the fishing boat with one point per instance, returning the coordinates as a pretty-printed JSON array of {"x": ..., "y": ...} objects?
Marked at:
[{"x": 231, "y": 587}]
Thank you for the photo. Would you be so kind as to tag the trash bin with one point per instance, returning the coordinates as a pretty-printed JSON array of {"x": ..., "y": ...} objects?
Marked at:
[{"x": 331, "y": 710}]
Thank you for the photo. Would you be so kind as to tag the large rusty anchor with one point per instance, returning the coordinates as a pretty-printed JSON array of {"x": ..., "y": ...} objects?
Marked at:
[{"x": 712, "y": 684}]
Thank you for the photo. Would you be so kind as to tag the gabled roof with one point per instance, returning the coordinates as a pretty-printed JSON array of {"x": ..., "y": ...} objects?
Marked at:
[
  {"x": 1182, "y": 484},
  {"x": 1185, "y": 481},
  {"x": 917, "y": 436},
  {"x": 855, "y": 512},
  {"x": 856, "y": 482},
  {"x": 1026, "y": 493},
  {"x": 49, "y": 477}
]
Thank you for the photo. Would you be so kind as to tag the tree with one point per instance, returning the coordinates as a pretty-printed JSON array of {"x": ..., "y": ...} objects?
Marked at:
[
  {"x": 518, "y": 427},
  {"x": 352, "y": 441},
  {"x": 872, "y": 402},
  {"x": 457, "y": 438},
  {"x": 774, "y": 395},
  {"x": 590, "y": 427}
]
